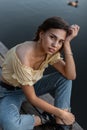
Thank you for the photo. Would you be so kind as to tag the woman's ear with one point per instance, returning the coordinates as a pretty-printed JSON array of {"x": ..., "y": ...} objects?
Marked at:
[{"x": 41, "y": 34}]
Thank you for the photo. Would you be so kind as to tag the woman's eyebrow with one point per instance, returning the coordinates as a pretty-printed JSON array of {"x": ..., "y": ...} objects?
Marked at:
[{"x": 56, "y": 36}]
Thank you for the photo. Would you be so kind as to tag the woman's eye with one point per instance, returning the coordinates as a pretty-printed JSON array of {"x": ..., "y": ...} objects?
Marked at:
[
  {"x": 61, "y": 42},
  {"x": 52, "y": 37}
]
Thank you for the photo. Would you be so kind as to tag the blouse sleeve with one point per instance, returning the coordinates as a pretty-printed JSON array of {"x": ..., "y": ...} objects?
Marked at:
[
  {"x": 55, "y": 58},
  {"x": 22, "y": 73}
]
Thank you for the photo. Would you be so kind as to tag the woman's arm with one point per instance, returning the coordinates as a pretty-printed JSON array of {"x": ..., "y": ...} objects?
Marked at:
[
  {"x": 67, "y": 117},
  {"x": 67, "y": 67}
]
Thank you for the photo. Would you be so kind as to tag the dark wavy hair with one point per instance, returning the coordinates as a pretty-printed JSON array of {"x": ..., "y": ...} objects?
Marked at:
[{"x": 52, "y": 22}]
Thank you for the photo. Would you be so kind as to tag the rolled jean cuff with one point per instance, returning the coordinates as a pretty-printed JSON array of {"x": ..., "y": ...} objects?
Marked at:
[{"x": 69, "y": 109}]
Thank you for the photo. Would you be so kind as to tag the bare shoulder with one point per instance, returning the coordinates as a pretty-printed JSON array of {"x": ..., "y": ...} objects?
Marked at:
[{"x": 23, "y": 51}]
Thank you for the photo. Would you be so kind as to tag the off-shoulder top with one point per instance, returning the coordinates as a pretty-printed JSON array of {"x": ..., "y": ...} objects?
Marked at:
[{"x": 14, "y": 72}]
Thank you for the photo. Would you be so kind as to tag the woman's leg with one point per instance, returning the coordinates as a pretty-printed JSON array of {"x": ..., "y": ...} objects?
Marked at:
[
  {"x": 10, "y": 118},
  {"x": 58, "y": 86}
]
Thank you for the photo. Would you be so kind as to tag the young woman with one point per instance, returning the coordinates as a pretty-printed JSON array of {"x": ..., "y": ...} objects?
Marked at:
[{"x": 22, "y": 76}]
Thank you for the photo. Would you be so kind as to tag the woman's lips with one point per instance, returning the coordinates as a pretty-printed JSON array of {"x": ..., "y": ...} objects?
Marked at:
[{"x": 51, "y": 50}]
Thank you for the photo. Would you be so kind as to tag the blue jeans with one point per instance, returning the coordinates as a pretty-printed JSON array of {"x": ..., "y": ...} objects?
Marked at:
[{"x": 10, "y": 101}]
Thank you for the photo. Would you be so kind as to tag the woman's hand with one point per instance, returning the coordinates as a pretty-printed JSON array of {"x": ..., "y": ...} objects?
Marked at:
[
  {"x": 74, "y": 29},
  {"x": 67, "y": 118}
]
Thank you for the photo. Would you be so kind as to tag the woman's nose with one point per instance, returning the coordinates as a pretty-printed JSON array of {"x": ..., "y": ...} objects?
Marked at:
[{"x": 55, "y": 44}]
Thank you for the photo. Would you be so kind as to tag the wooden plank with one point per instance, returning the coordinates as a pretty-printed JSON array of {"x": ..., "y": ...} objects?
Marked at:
[
  {"x": 76, "y": 126},
  {"x": 1, "y": 60},
  {"x": 3, "y": 50},
  {"x": 46, "y": 127}
]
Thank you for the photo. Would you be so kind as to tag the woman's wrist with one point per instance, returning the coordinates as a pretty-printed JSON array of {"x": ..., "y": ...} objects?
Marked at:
[
  {"x": 71, "y": 54},
  {"x": 59, "y": 113},
  {"x": 67, "y": 42},
  {"x": 67, "y": 50}
]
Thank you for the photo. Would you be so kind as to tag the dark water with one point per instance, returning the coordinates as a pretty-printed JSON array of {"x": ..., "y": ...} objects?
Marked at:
[{"x": 19, "y": 20}]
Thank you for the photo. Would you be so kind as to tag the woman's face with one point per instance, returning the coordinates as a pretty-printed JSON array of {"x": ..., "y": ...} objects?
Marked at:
[{"x": 52, "y": 40}]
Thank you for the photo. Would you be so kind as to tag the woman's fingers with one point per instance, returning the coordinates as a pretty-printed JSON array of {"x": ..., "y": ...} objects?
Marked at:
[
  {"x": 68, "y": 118},
  {"x": 75, "y": 28},
  {"x": 69, "y": 121}
]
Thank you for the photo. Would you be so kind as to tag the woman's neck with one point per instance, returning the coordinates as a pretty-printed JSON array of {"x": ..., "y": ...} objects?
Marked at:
[{"x": 38, "y": 50}]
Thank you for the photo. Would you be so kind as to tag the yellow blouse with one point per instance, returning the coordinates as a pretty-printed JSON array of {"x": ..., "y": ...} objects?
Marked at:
[{"x": 16, "y": 73}]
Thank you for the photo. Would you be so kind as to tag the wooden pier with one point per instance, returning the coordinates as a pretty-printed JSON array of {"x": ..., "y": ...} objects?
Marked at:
[{"x": 26, "y": 106}]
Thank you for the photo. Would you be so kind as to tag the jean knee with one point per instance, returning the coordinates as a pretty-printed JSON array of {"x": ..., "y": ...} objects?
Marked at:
[
  {"x": 15, "y": 124},
  {"x": 68, "y": 82},
  {"x": 12, "y": 120},
  {"x": 63, "y": 87},
  {"x": 67, "y": 85},
  {"x": 62, "y": 80},
  {"x": 11, "y": 125}
]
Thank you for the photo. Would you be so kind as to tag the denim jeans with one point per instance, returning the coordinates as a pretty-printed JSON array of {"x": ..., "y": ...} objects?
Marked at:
[{"x": 10, "y": 101}]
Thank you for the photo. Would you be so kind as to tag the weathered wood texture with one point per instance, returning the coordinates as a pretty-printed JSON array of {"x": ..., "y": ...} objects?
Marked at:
[
  {"x": 3, "y": 50},
  {"x": 27, "y": 108}
]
